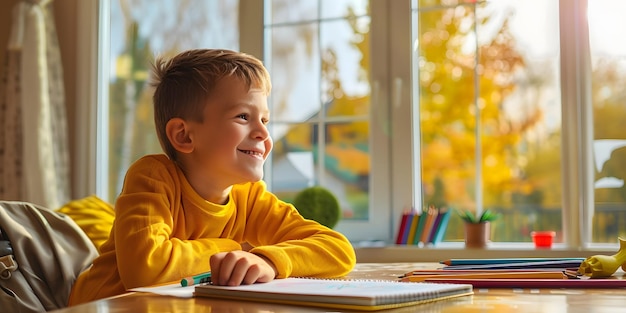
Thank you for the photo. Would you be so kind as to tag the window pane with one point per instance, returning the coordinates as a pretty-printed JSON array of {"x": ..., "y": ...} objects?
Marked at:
[
  {"x": 489, "y": 91},
  {"x": 139, "y": 31},
  {"x": 295, "y": 68},
  {"x": 343, "y": 8},
  {"x": 347, "y": 162},
  {"x": 290, "y": 11},
  {"x": 293, "y": 164},
  {"x": 608, "y": 62},
  {"x": 345, "y": 75},
  {"x": 320, "y": 103}
]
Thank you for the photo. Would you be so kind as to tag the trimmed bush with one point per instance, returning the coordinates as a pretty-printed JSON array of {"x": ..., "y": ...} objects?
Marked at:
[{"x": 318, "y": 204}]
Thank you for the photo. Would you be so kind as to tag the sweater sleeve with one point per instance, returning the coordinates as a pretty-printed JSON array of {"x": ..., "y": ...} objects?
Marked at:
[
  {"x": 296, "y": 246},
  {"x": 149, "y": 238}
]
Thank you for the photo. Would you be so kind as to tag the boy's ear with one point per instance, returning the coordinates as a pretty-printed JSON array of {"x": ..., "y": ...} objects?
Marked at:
[{"x": 178, "y": 134}]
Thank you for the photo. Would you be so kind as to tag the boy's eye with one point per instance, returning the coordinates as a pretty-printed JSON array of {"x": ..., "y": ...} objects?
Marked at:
[{"x": 245, "y": 117}]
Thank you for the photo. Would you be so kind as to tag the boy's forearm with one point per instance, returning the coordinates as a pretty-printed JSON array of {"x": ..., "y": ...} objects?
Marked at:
[{"x": 330, "y": 257}]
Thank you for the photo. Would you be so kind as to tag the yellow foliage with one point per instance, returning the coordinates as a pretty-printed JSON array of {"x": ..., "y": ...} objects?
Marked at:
[
  {"x": 453, "y": 114},
  {"x": 350, "y": 159}
]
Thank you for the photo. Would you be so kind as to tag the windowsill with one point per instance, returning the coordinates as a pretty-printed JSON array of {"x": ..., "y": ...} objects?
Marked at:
[{"x": 380, "y": 253}]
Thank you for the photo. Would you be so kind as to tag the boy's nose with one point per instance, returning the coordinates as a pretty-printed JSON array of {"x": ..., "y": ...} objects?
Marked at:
[{"x": 261, "y": 131}]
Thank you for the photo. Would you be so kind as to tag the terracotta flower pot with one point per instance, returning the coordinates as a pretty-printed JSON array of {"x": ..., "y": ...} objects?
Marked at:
[{"x": 477, "y": 235}]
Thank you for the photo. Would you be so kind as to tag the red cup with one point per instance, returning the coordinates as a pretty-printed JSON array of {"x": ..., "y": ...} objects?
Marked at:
[{"x": 543, "y": 239}]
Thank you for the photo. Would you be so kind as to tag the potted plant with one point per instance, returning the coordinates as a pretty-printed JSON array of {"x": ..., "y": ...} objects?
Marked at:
[{"x": 477, "y": 227}]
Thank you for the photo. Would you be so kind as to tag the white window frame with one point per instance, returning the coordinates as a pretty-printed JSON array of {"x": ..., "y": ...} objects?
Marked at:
[{"x": 577, "y": 124}]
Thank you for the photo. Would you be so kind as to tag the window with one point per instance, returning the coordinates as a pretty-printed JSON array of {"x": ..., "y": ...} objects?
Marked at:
[
  {"x": 501, "y": 105},
  {"x": 489, "y": 112},
  {"x": 318, "y": 53},
  {"x": 489, "y": 77}
]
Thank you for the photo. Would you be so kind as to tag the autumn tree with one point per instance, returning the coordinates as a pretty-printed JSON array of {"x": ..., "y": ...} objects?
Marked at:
[{"x": 456, "y": 85}]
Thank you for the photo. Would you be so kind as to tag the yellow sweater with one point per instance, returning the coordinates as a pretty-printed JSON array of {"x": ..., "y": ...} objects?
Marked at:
[{"x": 163, "y": 231}]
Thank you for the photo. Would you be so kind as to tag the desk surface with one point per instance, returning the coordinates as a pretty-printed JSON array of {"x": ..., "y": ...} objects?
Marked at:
[{"x": 483, "y": 300}]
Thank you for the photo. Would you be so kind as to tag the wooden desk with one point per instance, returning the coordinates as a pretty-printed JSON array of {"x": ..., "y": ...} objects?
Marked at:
[{"x": 492, "y": 300}]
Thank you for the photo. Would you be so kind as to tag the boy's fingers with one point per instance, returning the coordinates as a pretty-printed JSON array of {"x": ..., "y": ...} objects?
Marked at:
[
  {"x": 239, "y": 271},
  {"x": 215, "y": 262},
  {"x": 252, "y": 275},
  {"x": 238, "y": 267},
  {"x": 227, "y": 271}
]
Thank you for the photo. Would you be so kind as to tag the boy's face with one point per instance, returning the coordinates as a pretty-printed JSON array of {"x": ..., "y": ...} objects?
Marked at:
[{"x": 233, "y": 142}]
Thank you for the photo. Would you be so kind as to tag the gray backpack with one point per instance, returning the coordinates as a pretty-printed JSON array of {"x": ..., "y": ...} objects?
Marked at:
[{"x": 41, "y": 254}]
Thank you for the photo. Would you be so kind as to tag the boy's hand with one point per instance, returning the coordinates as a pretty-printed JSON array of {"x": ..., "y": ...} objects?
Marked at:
[{"x": 240, "y": 268}]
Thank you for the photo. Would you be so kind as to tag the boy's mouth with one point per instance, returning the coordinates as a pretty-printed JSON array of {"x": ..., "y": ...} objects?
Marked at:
[{"x": 251, "y": 152}]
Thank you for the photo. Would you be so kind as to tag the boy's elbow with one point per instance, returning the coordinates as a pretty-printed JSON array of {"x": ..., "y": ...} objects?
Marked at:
[
  {"x": 347, "y": 259},
  {"x": 347, "y": 268}
]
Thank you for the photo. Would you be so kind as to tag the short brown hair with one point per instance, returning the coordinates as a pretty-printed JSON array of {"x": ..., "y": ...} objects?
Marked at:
[{"x": 184, "y": 83}]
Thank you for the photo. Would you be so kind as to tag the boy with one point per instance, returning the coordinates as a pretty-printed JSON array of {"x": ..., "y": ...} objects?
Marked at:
[{"x": 203, "y": 205}]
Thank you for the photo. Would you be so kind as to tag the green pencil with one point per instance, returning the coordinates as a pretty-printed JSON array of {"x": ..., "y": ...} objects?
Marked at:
[{"x": 196, "y": 279}]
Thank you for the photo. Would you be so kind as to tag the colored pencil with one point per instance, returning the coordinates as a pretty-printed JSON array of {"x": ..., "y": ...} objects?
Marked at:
[
  {"x": 443, "y": 225},
  {"x": 428, "y": 225},
  {"x": 506, "y": 261},
  {"x": 402, "y": 227},
  {"x": 420, "y": 227},
  {"x": 536, "y": 283},
  {"x": 520, "y": 265},
  {"x": 485, "y": 275},
  {"x": 407, "y": 228},
  {"x": 435, "y": 227},
  {"x": 412, "y": 227},
  {"x": 457, "y": 272}
]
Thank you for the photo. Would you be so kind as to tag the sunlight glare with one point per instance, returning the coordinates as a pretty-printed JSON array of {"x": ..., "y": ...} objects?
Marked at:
[{"x": 606, "y": 23}]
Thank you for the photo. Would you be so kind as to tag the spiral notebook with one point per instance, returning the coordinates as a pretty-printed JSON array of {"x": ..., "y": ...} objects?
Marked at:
[{"x": 365, "y": 295}]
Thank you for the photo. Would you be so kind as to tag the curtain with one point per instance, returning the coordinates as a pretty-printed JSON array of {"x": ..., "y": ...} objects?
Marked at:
[{"x": 34, "y": 154}]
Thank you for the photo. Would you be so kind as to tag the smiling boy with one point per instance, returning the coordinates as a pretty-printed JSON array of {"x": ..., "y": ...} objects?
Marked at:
[{"x": 203, "y": 206}]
